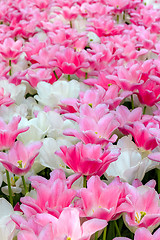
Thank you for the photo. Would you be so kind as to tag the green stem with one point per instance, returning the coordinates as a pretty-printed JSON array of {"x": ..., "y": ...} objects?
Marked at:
[
  {"x": 158, "y": 179},
  {"x": 71, "y": 24},
  {"x": 69, "y": 77},
  {"x": 10, "y": 64},
  {"x": 104, "y": 233},
  {"x": 117, "y": 18},
  {"x": 84, "y": 181},
  {"x": 24, "y": 184},
  {"x": 96, "y": 236},
  {"x": 144, "y": 110},
  {"x": 86, "y": 75},
  {"x": 23, "y": 180},
  {"x": 30, "y": 187},
  {"x": 55, "y": 74},
  {"x": 9, "y": 188},
  {"x": 132, "y": 102},
  {"x": 117, "y": 229},
  {"x": 124, "y": 17}
]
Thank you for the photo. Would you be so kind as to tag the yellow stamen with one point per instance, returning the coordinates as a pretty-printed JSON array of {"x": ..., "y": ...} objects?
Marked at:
[
  {"x": 12, "y": 181},
  {"x": 20, "y": 163},
  {"x": 139, "y": 216}
]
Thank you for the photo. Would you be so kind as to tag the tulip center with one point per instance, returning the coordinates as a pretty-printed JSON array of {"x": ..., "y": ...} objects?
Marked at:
[
  {"x": 20, "y": 165},
  {"x": 97, "y": 133},
  {"x": 139, "y": 216},
  {"x": 13, "y": 180},
  {"x": 144, "y": 153}
]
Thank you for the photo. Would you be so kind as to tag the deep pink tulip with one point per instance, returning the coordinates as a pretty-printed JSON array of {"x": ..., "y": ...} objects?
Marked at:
[
  {"x": 88, "y": 159},
  {"x": 149, "y": 93},
  {"x": 141, "y": 132}
]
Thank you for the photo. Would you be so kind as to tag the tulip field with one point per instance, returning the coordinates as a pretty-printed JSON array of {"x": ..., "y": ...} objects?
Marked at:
[{"x": 80, "y": 120}]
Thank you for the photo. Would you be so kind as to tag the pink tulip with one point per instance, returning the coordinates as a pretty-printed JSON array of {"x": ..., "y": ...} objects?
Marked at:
[
  {"x": 42, "y": 74},
  {"x": 88, "y": 159},
  {"x": 96, "y": 125},
  {"x": 70, "y": 13},
  {"x": 10, "y": 49},
  {"x": 69, "y": 61},
  {"x": 20, "y": 158},
  {"x": 95, "y": 96},
  {"x": 120, "y": 4},
  {"x": 149, "y": 93},
  {"x": 124, "y": 115},
  {"x": 143, "y": 233},
  {"x": 140, "y": 130},
  {"x": 45, "y": 56},
  {"x": 97, "y": 201},
  {"x": 128, "y": 78},
  {"x": 146, "y": 210},
  {"x": 103, "y": 26},
  {"x": 155, "y": 132},
  {"x": 67, "y": 226},
  {"x": 52, "y": 195},
  {"x": 9, "y": 132},
  {"x": 5, "y": 99},
  {"x": 32, "y": 48}
]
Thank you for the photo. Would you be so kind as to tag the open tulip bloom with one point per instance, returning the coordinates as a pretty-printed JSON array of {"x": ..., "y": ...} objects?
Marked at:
[{"x": 20, "y": 158}]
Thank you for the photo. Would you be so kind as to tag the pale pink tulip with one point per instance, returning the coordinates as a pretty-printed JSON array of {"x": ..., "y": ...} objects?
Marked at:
[
  {"x": 67, "y": 226},
  {"x": 20, "y": 158},
  {"x": 146, "y": 210},
  {"x": 9, "y": 132},
  {"x": 97, "y": 199},
  {"x": 52, "y": 195},
  {"x": 10, "y": 49},
  {"x": 143, "y": 233}
]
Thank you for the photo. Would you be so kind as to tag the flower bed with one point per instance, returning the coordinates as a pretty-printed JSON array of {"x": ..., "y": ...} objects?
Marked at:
[{"x": 79, "y": 119}]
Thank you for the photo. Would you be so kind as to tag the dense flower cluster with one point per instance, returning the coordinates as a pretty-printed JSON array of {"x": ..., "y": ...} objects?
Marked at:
[{"x": 79, "y": 119}]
